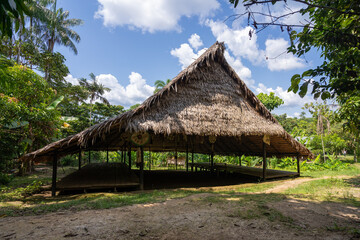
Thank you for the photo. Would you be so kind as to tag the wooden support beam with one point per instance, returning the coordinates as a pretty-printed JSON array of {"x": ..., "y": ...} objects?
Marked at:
[
  {"x": 89, "y": 156},
  {"x": 176, "y": 156},
  {"x": 298, "y": 163},
  {"x": 54, "y": 173},
  {"x": 141, "y": 168},
  {"x": 149, "y": 158},
  {"x": 129, "y": 157},
  {"x": 187, "y": 157},
  {"x": 79, "y": 159},
  {"x": 212, "y": 162},
  {"x": 192, "y": 160},
  {"x": 239, "y": 160},
  {"x": 264, "y": 161}
]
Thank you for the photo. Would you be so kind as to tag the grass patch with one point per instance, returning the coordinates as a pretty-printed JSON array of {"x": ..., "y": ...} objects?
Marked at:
[
  {"x": 35, "y": 206},
  {"x": 331, "y": 189}
]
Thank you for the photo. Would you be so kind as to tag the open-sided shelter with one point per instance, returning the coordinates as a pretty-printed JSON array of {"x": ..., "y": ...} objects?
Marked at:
[{"x": 206, "y": 109}]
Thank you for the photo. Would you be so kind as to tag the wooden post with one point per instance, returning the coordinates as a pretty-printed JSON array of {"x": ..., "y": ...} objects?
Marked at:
[
  {"x": 187, "y": 158},
  {"x": 298, "y": 163},
  {"x": 264, "y": 161},
  {"x": 192, "y": 161},
  {"x": 176, "y": 155},
  {"x": 89, "y": 156},
  {"x": 122, "y": 156},
  {"x": 149, "y": 158},
  {"x": 129, "y": 157},
  {"x": 53, "y": 184},
  {"x": 239, "y": 160},
  {"x": 79, "y": 159},
  {"x": 212, "y": 162},
  {"x": 142, "y": 169}
]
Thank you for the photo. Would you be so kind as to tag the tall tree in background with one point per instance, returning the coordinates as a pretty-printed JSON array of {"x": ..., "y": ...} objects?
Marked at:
[
  {"x": 95, "y": 91},
  {"x": 333, "y": 28},
  {"x": 55, "y": 27},
  {"x": 159, "y": 84}
]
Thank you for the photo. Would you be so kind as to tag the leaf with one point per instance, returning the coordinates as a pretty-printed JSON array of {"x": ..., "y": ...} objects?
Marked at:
[
  {"x": 303, "y": 89},
  {"x": 325, "y": 95},
  {"x": 236, "y": 3},
  {"x": 16, "y": 124},
  {"x": 56, "y": 102}
]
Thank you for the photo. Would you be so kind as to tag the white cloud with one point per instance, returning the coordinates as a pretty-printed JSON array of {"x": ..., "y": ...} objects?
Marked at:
[
  {"x": 291, "y": 100},
  {"x": 69, "y": 78},
  {"x": 195, "y": 41},
  {"x": 152, "y": 15},
  {"x": 277, "y": 57},
  {"x": 238, "y": 41},
  {"x": 243, "y": 72},
  {"x": 186, "y": 54},
  {"x": 135, "y": 92}
]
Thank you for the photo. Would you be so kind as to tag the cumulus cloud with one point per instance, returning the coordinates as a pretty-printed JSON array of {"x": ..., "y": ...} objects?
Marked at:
[
  {"x": 152, "y": 15},
  {"x": 135, "y": 92},
  {"x": 238, "y": 41},
  {"x": 69, "y": 78},
  {"x": 186, "y": 54},
  {"x": 243, "y": 72},
  {"x": 195, "y": 41},
  {"x": 277, "y": 57},
  {"x": 291, "y": 100}
]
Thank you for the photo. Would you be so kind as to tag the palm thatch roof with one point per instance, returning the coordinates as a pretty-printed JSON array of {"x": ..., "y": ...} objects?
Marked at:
[{"x": 206, "y": 102}]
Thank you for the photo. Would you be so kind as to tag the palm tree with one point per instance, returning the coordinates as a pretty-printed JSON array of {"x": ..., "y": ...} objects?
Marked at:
[
  {"x": 55, "y": 27},
  {"x": 159, "y": 84},
  {"x": 95, "y": 91}
]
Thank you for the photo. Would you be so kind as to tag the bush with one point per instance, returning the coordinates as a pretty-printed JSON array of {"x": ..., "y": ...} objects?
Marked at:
[
  {"x": 21, "y": 192},
  {"x": 5, "y": 179}
]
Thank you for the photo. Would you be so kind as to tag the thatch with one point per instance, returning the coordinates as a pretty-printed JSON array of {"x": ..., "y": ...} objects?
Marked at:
[{"x": 206, "y": 99}]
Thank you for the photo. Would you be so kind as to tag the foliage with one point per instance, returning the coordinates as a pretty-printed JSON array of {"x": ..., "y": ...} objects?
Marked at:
[
  {"x": 21, "y": 192},
  {"x": 159, "y": 84},
  {"x": 5, "y": 178},
  {"x": 11, "y": 11},
  {"x": 333, "y": 28},
  {"x": 26, "y": 122},
  {"x": 349, "y": 114},
  {"x": 270, "y": 101}
]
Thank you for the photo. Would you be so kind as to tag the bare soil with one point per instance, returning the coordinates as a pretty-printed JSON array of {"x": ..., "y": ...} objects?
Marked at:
[{"x": 199, "y": 216}]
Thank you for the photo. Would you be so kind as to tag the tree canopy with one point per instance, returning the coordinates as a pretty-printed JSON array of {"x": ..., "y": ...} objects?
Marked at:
[{"x": 333, "y": 28}]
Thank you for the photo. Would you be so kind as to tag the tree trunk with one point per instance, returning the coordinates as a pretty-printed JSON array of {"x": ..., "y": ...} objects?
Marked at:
[{"x": 323, "y": 147}]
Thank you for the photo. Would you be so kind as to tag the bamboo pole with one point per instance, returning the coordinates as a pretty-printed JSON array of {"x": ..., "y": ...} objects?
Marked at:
[
  {"x": 129, "y": 156},
  {"x": 187, "y": 157}
]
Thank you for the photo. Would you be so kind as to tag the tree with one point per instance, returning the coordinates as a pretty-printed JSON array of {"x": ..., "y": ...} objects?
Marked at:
[
  {"x": 322, "y": 114},
  {"x": 55, "y": 27},
  {"x": 349, "y": 115},
  {"x": 95, "y": 91},
  {"x": 333, "y": 28},
  {"x": 159, "y": 84},
  {"x": 10, "y": 11},
  {"x": 270, "y": 101},
  {"x": 27, "y": 120}
]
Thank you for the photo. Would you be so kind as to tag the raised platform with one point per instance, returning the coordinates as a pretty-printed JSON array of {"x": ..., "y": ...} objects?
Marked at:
[
  {"x": 250, "y": 171},
  {"x": 99, "y": 176}
]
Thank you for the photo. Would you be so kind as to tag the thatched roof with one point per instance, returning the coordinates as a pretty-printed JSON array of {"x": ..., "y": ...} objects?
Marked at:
[{"x": 206, "y": 99}]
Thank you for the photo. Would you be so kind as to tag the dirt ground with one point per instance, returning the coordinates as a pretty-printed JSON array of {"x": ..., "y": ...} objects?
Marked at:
[{"x": 199, "y": 216}]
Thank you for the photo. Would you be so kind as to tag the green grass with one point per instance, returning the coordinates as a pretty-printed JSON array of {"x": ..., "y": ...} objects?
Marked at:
[
  {"x": 88, "y": 201},
  {"x": 330, "y": 189}
]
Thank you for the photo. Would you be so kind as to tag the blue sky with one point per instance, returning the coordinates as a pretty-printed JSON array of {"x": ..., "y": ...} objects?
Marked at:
[{"x": 129, "y": 45}]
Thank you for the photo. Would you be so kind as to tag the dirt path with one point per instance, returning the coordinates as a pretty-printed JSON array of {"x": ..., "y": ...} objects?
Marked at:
[
  {"x": 199, "y": 216},
  {"x": 295, "y": 182}
]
